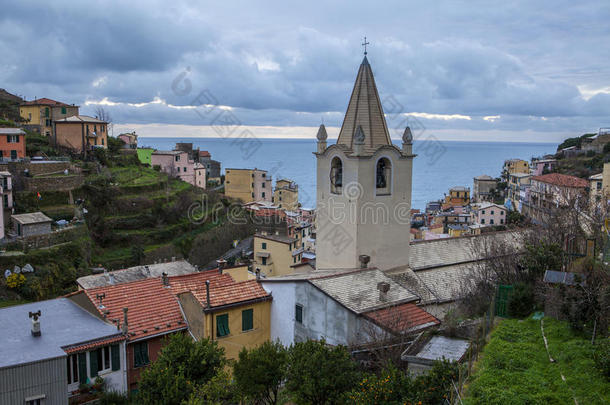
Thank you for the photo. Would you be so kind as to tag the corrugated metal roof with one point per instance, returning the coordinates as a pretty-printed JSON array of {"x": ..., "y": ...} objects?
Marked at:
[{"x": 31, "y": 218}]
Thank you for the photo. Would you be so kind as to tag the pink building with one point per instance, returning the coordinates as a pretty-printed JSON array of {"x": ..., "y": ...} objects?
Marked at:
[
  {"x": 200, "y": 176},
  {"x": 175, "y": 163},
  {"x": 488, "y": 214},
  {"x": 130, "y": 139},
  {"x": 543, "y": 166}
]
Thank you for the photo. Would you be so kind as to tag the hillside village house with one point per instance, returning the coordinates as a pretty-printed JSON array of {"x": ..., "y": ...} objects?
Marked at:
[
  {"x": 175, "y": 163},
  {"x": 489, "y": 214},
  {"x": 516, "y": 181},
  {"x": 130, "y": 139},
  {"x": 597, "y": 142},
  {"x": 512, "y": 166},
  {"x": 248, "y": 185},
  {"x": 208, "y": 304},
  {"x": 39, "y": 114},
  {"x": 599, "y": 186},
  {"x": 31, "y": 224},
  {"x": 81, "y": 133},
  {"x": 275, "y": 254},
  {"x": 6, "y": 193},
  {"x": 286, "y": 195},
  {"x": 543, "y": 166},
  {"x": 212, "y": 166},
  {"x": 551, "y": 191},
  {"x": 2, "y": 234},
  {"x": 12, "y": 144},
  {"x": 49, "y": 348},
  {"x": 200, "y": 175},
  {"x": 482, "y": 188},
  {"x": 344, "y": 307},
  {"x": 458, "y": 196}
]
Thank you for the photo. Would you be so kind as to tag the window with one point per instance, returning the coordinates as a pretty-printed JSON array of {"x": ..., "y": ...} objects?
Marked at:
[
  {"x": 222, "y": 325},
  {"x": 46, "y": 111},
  {"x": 247, "y": 320},
  {"x": 48, "y": 122},
  {"x": 599, "y": 185},
  {"x": 72, "y": 367},
  {"x": 177, "y": 158},
  {"x": 263, "y": 185},
  {"x": 263, "y": 194},
  {"x": 483, "y": 221},
  {"x": 184, "y": 169},
  {"x": 264, "y": 175},
  {"x": 36, "y": 400},
  {"x": 102, "y": 141},
  {"x": 13, "y": 154},
  {"x": 483, "y": 212},
  {"x": 501, "y": 212},
  {"x": 264, "y": 261},
  {"x": 294, "y": 259},
  {"x": 491, "y": 221},
  {"x": 264, "y": 245},
  {"x": 298, "y": 313},
  {"x": 140, "y": 354},
  {"x": 103, "y": 359},
  {"x": 382, "y": 176},
  {"x": 501, "y": 221},
  {"x": 63, "y": 110},
  {"x": 12, "y": 138},
  {"x": 336, "y": 176},
  {"x": 492, "y": 212},
  {"x": 252, "y": 195}
]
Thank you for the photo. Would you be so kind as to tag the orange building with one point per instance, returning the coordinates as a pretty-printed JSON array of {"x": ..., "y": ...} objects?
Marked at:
[
  {"x": 12, "y": 143},
  {"x": 81, "y": 133}
]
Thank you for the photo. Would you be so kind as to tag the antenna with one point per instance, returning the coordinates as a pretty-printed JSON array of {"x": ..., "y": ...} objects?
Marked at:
[{"x": 100, "y": 298}]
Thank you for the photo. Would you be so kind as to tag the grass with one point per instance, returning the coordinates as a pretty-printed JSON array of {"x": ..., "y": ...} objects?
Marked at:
[
  {"x": 515, "y": 369},
  {"x": 136, "y": 176},
  {"x": 10, "y": 303}
]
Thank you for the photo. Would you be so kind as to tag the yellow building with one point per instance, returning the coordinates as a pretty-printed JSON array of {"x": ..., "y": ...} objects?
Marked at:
[
  {"x": 39, "y": 114},
  {"x": 248, "y": 185},
  {"x": 599, "y": 186},
  {"x": 286, "y": 195},
  {"x": 81, "y": 133},
  {"x": 512, "y": 166},
  {"x": 456, "y": 230},
  {"x": 275, "y": 254},
  {"x": 458, "y": 196},
  {"x": 237, "y": 315}
]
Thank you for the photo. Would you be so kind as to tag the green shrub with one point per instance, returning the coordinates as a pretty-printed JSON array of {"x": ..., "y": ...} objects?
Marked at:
[
  {"x": 601, "y": 356},
  {"x": 521, "y": 303}
]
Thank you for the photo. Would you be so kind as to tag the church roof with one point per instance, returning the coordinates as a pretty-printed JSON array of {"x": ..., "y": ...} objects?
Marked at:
[{"x": 364, "y": 111}]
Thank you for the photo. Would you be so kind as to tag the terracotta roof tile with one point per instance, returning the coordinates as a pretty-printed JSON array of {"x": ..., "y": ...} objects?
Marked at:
[
  {"x": 154, "y": 308},
  {"x": 46, "y": 101},
  {"x": 562, "y": 180},
  {"x": 91, "y": 345},
  {"x": 402, "y": 318}
]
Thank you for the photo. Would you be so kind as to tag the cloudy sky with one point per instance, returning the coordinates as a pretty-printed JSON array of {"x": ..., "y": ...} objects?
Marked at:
[{"x": 472, "y": 70}]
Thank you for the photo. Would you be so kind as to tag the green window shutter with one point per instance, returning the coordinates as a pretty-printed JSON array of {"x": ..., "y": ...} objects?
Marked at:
[
  {"x": 247, "y": 319},
  {"x": 116, "y": 357},
  {"x": 46, "y": 112},
  {"x": 93, "y": 363},
  {"x": 82, "y": 367},
  {"x": 298, "y": 309},
  {"x": 63, "y": 110},
  {"x": 222, "y": 325}
]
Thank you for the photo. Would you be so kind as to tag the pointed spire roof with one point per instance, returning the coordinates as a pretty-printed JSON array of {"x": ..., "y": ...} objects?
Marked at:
[
  {"x": 322, "y": 135},
  {"x": 364, "y": 110}
]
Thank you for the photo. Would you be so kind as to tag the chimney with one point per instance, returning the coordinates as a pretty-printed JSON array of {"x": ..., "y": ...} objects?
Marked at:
[
  {"x": 207, "y": 294},
  {"x": 221, "y": 265},
  {"x": 164, "y": 279},
  {"x": 258, "y": 273},
  {"x": 147, "y": 270},
  {"x": 35, "y": 323},
  {"x": 173, "y": 258},
  {"x": 125, "y": 325},
  {"x": 364, "y": 261},
  {"x": 383, "y": 288}
]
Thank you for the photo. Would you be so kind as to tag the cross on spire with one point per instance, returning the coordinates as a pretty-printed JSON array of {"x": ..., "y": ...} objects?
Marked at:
[{"x": 364, "y": 44}]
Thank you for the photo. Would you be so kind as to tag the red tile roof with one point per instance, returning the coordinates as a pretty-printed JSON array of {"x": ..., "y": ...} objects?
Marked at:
[
  {"x": 562, "y": 180},
  {"x": 402, "y": 318},
  {"x": 154, "y": 309},
  {"x": 46, "y": 101},
  {"x": 92, "y": 345},
  {"x": 204, "y": 153}
]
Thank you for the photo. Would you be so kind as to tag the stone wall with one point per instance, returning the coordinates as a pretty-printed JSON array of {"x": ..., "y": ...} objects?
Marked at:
[
  {"x": 35, "y": 169},
  {"x": 55, "y": 183}
]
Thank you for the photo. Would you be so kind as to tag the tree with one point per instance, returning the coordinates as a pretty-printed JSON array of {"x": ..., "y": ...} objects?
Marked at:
[
  {"x": 137, "y": 254},
  {"x": 103, "y": 114},
  {"x": 259, "y": 372},
  {"x": 115, "y": 145},
  {"x": 182, "y": 366},
  {"x": 319, "y": 374}
]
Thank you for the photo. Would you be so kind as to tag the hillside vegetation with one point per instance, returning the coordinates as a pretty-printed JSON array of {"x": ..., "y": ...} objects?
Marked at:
[{"x": 515, "y": 368}]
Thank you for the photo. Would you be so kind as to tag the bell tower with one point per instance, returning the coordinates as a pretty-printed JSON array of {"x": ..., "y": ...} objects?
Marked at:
[{"x": 363, "y": 187}]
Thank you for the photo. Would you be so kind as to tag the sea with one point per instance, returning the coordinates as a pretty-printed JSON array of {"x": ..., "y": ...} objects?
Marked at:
[{"x": 439, "y": 165}]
